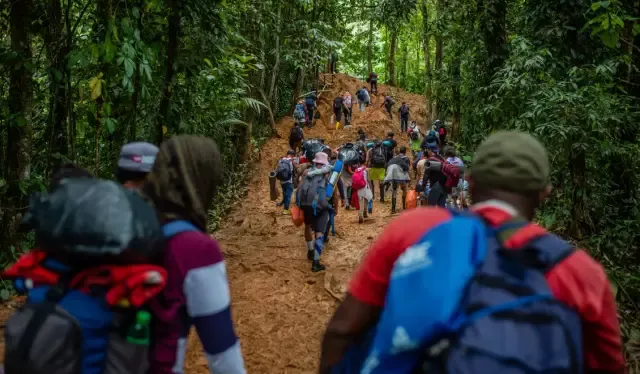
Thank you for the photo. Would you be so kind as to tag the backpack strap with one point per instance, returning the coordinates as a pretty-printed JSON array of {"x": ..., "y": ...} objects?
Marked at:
[
  {"x": 174, "y": 228},
  {"x": 534, "y": 245}
]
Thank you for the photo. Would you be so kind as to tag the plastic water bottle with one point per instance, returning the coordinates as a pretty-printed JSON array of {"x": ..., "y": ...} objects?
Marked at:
[{"x": 139, "y": 331}]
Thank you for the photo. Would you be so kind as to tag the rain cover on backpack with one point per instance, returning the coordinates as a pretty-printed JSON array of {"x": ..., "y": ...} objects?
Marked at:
[
  {"x": 312, "y": 192},
  {"x": 490, "y": 311},
  {"x": 95, "y": 217},
  {"x": 349, "y": 154},
  {"x": 311, "y": 147}
]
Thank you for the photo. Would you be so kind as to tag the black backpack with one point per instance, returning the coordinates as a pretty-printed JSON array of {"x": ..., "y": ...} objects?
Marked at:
[
  {"x": 312, "y": 192},
  {"x": 337, "y": 103},
  {"x": 361, "y": 147},
  {"x": 378, "y": 156},
  {"x": 404, "y": 110},
  {"x": 414, "y": 135},
  {"x": 296, "y": 134},
  {"x": 284, "y": 172}
]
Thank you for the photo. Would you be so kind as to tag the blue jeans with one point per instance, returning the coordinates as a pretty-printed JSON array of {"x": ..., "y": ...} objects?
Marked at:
[{"x": 287, "y": 191}]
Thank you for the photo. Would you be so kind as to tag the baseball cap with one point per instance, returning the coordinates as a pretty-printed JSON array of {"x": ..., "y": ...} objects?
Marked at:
[
  {"x": 138, "y": 157},
  {"x": 513, "y": 161}
]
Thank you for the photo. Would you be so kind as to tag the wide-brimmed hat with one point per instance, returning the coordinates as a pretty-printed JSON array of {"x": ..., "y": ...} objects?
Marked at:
[{"x": 321, "y": 158}]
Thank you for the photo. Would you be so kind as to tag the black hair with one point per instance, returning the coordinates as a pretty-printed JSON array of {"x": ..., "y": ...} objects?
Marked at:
[
  {"x": 403, "y": 150},
  {"x": 123, "y": 175},
  {"x": 68, "y": 170},
  {"x": 390, "y": 133},
  {"x": 449, "y": 151}
]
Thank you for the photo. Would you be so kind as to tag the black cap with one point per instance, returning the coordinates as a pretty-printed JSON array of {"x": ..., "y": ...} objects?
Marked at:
[{"x": 291, "y": 152}]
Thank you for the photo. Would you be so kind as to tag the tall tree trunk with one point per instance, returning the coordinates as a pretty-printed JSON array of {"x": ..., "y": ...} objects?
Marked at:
[
  {"x": 493, "y": 24},
  {"x": 426, "y": 36},
  {"x": 439, "y": 56},
  {"x": 392, "y": 56},
  {"x": 403, "y": 65},
  {"x": 370, "y": 48},
  {"x": 297, "y": 90},
  {"x": 276, "y": 64},
  {"x": 455, "y": 97},
  {"x": 133, "y": 126},
  {"x": 173, "y": 35},
  {"x": 19, "y": 133},
  {"x": 57, "y": 50}
]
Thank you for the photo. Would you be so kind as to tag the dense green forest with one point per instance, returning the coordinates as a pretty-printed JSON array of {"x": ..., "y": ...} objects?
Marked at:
[{"x": 79, "y": 78}]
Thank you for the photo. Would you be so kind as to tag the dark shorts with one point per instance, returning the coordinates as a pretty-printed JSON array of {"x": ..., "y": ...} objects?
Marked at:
[{"x": 318, "y": 222}]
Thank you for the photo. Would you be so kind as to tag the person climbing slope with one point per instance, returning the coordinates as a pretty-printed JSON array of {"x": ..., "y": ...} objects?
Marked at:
[
  {"x": 377, "y": 164},
  {"x": 296, "y": 137},
  {"x": 300, "y": 114},
  {"x": 134, "y": 163},
  {"x": 404, "y": 117},
  {"x": 435, "y": 177},
  {"x": 362, "y": 196},
  {"x": 388, "y": 104},
  {"x": 337, "y": 110},
  {"x": 398, "y": 176},
  {"x": 347, "y": 109},
  {"x": 311, "y": 104},
  {"x": 181, "y": 186},
  {"x": 415, "y": 138},
  {"x": 311, "y": 198},
  {"x": 373, "y": 80},
  {"x": 363, "y": 98},
  {"x": 285, "y": 173},
  {"x": 509, "y": 180}
]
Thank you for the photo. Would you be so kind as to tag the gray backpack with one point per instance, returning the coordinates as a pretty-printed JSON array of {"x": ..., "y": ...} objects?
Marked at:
[{"x": 312, "y": 193}]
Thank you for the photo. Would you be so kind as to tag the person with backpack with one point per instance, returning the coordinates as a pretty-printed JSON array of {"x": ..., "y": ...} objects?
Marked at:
[
  {"x": 483, "y": 291},
  {"x": 363, "y": 98},
  {"x": 337, "y": 110},
  {"x": 134, "y": 163},
  {"x": 388, "y": 104},
  {"x": 415, "y": 139},
  {"x": 373, "y": 80},
  {"x": 442, "y": 132},
  {"x": 398, "y": 176},
  {"x": 182, "y": 184},
  {"x": 453, "y": 185},
  {"x": 89, "y": 281},
  {"x": 286, "y": 173},
  {"x": 346, "y": 109},
  {"x": 436, "y": 174},
  {"x": 299, "y": 114},
  {"x": 431, "y": 137},
  {"x": 390, "y": 145},
  {"x": 311, "y": 103},
  {"x": 377, "y": 164},
  {"x": 362, "y": 197},
  {"x": 404, "y": 117},
  {"x": 312, "y": 199},
  {"x": 296, "y": 137}
]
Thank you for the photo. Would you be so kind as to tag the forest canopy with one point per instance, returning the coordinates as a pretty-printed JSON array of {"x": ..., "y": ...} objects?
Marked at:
[{"x": 79, "y": 78}]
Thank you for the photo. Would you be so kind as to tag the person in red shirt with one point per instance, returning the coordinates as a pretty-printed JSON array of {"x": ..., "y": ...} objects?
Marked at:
[{"x": 508, "y": 178}]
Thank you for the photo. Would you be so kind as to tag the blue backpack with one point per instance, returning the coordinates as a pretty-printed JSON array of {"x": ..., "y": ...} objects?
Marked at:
[{"x": 459, "y": 302}]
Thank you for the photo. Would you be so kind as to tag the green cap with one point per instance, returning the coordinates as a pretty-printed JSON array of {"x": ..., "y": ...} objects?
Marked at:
[
  {"x": 512, "y": 161},
  {"x": 143, "y": 317}
]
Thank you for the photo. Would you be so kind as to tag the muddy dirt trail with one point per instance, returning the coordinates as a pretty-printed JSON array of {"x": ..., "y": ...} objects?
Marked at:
[{"x": 279, "y": 306}]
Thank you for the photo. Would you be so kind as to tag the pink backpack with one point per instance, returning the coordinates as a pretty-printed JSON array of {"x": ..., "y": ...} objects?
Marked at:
[{"x": 359, "y": 181}]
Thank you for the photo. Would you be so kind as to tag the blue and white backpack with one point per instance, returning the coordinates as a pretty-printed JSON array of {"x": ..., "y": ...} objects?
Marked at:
[{"x": 459, "y": 302}]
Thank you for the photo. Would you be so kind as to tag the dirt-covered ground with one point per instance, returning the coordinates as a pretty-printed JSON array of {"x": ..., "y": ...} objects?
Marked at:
[{"x": 280, "y": 307}]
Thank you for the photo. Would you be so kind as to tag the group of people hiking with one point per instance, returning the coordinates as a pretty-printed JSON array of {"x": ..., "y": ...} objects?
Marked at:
[
  {"x": 122, "y": 270},
  {"x": 365, "y": 164},
  {"x": 483, "y": 290}
]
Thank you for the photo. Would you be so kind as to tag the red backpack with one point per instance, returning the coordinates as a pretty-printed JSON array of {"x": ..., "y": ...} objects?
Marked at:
[
  {"x": 450, "y": 171},
  {"x": 443, "y": 131},
  {"x": 359, "y": 181}
]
